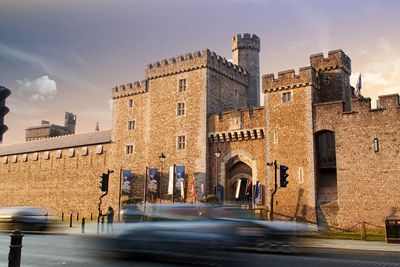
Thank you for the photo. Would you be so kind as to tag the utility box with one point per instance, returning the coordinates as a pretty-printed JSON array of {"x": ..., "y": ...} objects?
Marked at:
[{"x": 392, "y": 226}]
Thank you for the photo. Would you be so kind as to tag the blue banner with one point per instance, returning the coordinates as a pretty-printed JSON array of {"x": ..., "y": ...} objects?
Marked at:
[
  {"x": 180, "y": 176},
  {"x": 126, "y": 182}
]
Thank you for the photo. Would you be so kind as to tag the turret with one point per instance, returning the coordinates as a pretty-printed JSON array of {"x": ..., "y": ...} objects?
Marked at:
[
  {"x": 70, "y": 122},
  {"x": 246, "y": 53}
]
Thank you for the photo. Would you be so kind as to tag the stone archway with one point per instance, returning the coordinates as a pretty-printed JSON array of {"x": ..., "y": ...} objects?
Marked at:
[{"x": 239, "y": 170}]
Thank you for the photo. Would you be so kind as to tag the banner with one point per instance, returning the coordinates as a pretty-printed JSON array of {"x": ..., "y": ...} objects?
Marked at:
[
  {"x": 180, "y": 176},
  {"x": 152, "y": 183},
  {"x": 171, "y": 179},
  {"x": 126, "y": 182},
  {"x": 258, "y": 198}
]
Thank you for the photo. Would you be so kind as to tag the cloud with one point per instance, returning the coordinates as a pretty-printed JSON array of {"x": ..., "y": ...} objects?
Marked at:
[
  {"x": 49, "y": 66},
  {"x": 381, "y": 71},
  {"x": 42, "y": 88}
]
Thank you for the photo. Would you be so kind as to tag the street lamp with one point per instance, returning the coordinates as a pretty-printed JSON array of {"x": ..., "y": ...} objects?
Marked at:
[
  {"x": 162, "y": 159},
  {"x": 217, "y": 153}
]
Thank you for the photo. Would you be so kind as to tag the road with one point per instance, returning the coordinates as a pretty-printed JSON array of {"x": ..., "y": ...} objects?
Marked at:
[{"x": 71, "y": 250}]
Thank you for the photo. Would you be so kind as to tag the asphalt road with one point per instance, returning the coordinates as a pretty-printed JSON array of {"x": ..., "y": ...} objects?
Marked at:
[{"x": 52, "y": 250}]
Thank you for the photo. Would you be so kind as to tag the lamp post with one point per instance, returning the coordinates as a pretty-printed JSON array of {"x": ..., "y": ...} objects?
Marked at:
[
  {"x": 162, "y": 159},
  {"x": 217, "y": 153}
]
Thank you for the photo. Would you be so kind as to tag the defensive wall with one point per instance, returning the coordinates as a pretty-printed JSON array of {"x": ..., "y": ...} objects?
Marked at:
[
  {"x": 60, "y": 173},
  {"x": 367, "y": 159}
]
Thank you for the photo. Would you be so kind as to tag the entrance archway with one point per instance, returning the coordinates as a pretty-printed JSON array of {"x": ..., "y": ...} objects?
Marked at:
[{"x": 239, "y": 175}]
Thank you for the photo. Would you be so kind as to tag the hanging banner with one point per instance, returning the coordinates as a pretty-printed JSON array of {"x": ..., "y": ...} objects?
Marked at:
[
  {"x": 258, "y": 194},
  {"x": 180, "y": 176},
  {"x": 126, "y": 182},
  {"x": 238, "y": 185},
  {"x": 171, "y": 179},
  {"x": 153, "y": 179}
]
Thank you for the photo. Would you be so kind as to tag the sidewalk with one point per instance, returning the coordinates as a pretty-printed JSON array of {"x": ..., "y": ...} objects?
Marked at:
[
  {"x": 350, "y": 244},
  {"x": 91, "y": 229}
]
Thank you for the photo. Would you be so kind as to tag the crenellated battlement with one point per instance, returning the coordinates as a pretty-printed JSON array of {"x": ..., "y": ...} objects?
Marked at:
[
  {"x": 194, "y": 61},
  {"x": 336, "y": 59},
  {"x": 246, "y": 41},
  {"x": 236, "y": 125},
  {"x": 129, "y": 89},
  {"x": 387, "y": 104},
  {"x": 288, "y": 80}
]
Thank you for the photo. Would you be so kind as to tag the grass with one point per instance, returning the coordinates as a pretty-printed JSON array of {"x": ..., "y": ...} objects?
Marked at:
[{"x": 371, "y": 236}]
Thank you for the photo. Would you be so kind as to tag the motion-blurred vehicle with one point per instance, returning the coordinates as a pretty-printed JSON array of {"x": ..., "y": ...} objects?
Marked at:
[
  {"x": 25, "y": 218},
  {"x": 216, "y": 229}
]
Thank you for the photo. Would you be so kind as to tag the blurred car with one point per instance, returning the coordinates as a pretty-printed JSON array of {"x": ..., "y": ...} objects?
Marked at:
[
  {"x": 217, "y": 229},
  {"x": 25, "y": 218}
]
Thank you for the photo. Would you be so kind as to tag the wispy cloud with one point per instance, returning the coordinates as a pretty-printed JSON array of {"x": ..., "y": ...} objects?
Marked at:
[
  {"x": 41, "y": 88},
  {"x": 49, "y": 66},
  {"x": 19, "y": 107}
]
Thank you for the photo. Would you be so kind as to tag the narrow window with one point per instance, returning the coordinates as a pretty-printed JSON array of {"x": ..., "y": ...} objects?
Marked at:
[
  {"x": 131, "y": 125},
  {"x": 181, "y": 142},
  {"x": 129, "y": 149},
  {"x": 276, "y": 136},
  {"x": 301, "y": 175},
  {"x": 47, "y": 155},
  {"x": 286, "y": 97},
  {"x": 15, "y": 158},
  {"x": 376, "y": 145},
  {"x": 182, "y": 85},
  {"x": 180, "y": 109},
  {"x": 130, "y": 103},
  {"x": 99, "y": 149},
  {"x": 59, "y": 154}
]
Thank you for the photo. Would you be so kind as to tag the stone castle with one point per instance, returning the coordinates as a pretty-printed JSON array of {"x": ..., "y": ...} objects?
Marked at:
[{"x": 343, "y": 156}]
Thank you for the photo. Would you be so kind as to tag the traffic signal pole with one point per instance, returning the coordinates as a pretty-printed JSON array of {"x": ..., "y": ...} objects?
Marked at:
[
  {"x": 103, "y": 187},
  {"x": 275, "y": 189}
]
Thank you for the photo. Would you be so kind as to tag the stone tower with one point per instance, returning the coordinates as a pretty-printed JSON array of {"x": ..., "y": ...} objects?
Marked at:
[
  {"x": 70, "y": 122},
  {"x": 246, "y": 53}
]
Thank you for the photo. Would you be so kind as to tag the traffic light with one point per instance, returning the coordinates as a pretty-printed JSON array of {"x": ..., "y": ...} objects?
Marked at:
[
  {"x": 283, "y": 174},
  {"x": 104, "y": 182},
  {"x": 4, "y": 93}
]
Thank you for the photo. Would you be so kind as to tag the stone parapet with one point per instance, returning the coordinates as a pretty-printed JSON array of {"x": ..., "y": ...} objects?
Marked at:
[
  {"x": 194, "y": 61},
  {"x": 336, "y": 59},
  {"x": 289, "y": 80},
  {"x": 247, "y": 41},
  {"x": 129, "y": 89}
]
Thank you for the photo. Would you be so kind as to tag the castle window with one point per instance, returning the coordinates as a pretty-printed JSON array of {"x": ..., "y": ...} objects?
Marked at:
[
  {"x": 180, "y": 109},
  {"x": 181, "y": 142},
  {"x": 71, "y": 152},
  {"x": 35, "y": 156},
  {"x": 376, "y": 145},
  {"x": 301, "y": 175},
  {"x": 25, "y": 157},
  {"x": 85, "y": 151},
  {"x": 276, "y": 136},
  {"x": 99, "y": 149},
  {"x": 15, "y": 158},
  {"x": 129, "y": 149},
  {"x": 59, "y": 154},
  {"x": 5, "y": 159},
  {"x": 47, "y": 155},
  {"x": 131, "y": 125},
  {"x": 286, "y": 97},
  {"x": 182, "y": 85},
  {"x": 130, "y": 103}
]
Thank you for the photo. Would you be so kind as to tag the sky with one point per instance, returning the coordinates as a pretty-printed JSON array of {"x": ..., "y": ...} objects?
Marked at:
[{"x": 58, "y": 56}]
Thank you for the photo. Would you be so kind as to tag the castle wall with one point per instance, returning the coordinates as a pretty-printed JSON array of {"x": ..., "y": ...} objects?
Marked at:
[
  {"x": 289, "y": 141},
  {"x": 367, "y": 181},
  {"x": 65, "y": 183}
]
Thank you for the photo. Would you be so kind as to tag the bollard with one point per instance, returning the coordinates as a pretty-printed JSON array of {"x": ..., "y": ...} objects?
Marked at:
[
  {"x": 70, "y": 220},
  {"x": 62, "y": 216},
  {"x": 14, "y": 257},
  {"x": 102, "y": 223},
  {"x": 83, "y": 225},
  {"x": 363, "y": 232}
]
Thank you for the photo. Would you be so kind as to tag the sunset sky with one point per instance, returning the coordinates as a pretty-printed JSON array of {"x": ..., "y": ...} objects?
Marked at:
[{"x": 58, "y": 56}]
